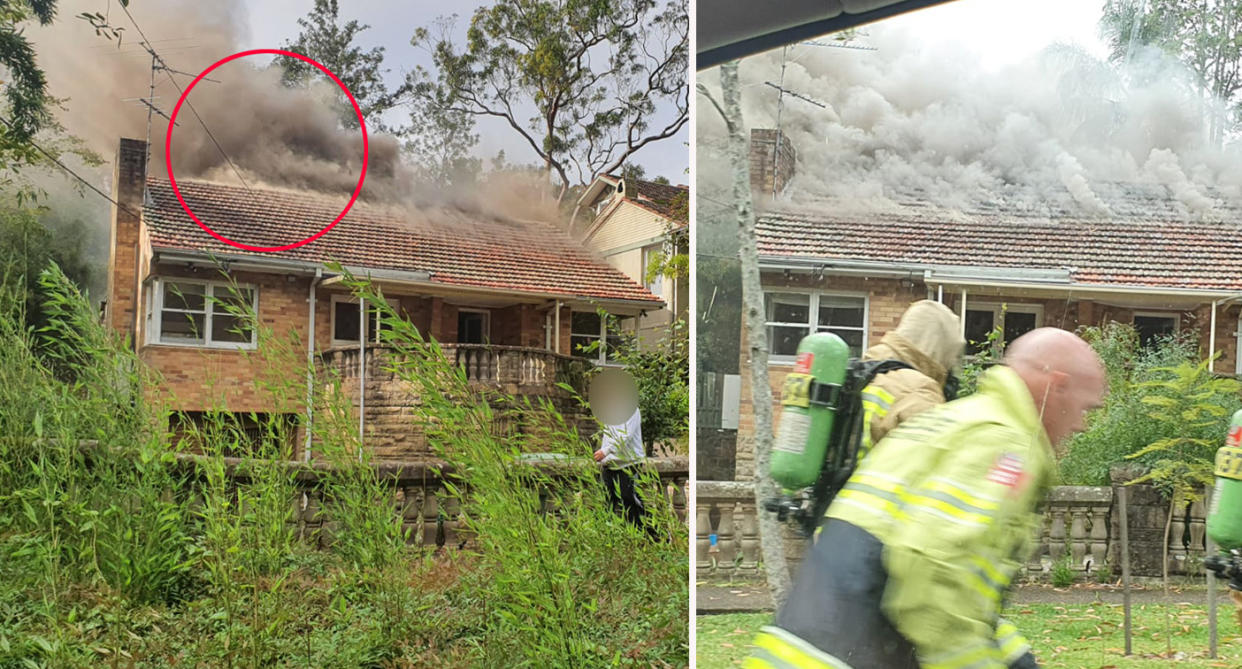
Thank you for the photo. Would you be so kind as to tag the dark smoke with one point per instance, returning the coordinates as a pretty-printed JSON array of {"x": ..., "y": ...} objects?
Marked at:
[{"x": 274, "y": 135}]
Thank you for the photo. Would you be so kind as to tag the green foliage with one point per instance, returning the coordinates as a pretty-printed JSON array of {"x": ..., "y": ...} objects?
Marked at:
[
  {"x": 592, "y": 111},
  {"x": 719, "y": 313},
  {"x": 1161, "y": 406},
  {"x": 661, "y": 370},
  {"x": 1063, "y": 574},
  {"x": 330, "y": 43},
  {"x": 564, "y": 575},
  {"x": 993, "y": 350},
  {"x": 1204, "y": 38},
  {"x": 1192, "y": 407},
  {"x": 122, "y": 544},
  {"x": 27, "y": 247}
]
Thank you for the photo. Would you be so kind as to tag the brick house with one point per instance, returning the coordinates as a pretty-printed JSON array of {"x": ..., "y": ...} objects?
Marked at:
[
  {"x": 501, "y": 295},
  {"x": 629, "y": 223},
  {"x": 855, "y": 272}
]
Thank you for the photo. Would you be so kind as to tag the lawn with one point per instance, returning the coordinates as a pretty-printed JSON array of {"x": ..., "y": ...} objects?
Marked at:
[{"x": 1088, "y": 636}]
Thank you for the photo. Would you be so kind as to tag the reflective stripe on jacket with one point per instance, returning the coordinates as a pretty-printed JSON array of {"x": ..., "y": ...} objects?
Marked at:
[{"x": 951, "y": 494}]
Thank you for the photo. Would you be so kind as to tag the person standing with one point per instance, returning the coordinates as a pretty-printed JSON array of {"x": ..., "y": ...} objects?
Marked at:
[{"x": 620, "y": 454}]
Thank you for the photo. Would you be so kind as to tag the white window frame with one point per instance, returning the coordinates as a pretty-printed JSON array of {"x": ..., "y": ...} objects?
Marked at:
[
  {"x": 998, "y": 310},
  {"x": 487, "y": 323},
  {"x": 812, "y": 323},
  {"x": 372, "y": 337},
  {"x": 155, "y": 313},
  {"x": 601, "y": 355},
  {"x": 656, "y": 287},
  {"x": 1237, "y": 352}
]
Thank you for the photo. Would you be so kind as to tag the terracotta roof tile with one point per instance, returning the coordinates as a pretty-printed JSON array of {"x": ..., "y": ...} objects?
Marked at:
[
  {"x": 1137, "y": 249},
  {"x": 456, "y": 247}
]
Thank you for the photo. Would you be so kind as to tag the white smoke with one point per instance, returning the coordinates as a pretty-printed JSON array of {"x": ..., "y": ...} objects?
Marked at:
[{"x": 1061, "y": 135}]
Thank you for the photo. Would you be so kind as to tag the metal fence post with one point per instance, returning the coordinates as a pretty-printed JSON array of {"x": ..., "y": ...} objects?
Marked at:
[{"x": 1125, "y": 560}]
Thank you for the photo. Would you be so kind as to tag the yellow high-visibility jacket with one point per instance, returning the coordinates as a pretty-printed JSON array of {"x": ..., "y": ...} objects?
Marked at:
[{"x": 951, "y": 493}]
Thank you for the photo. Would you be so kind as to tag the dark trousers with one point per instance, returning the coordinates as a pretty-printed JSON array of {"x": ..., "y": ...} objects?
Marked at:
[
  {"x": 624, "y": 499},
  {"x": 835, "y": 603}
]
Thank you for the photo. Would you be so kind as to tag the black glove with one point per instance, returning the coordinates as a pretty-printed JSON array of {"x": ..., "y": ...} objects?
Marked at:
[{"x": 1025, "y": 662}]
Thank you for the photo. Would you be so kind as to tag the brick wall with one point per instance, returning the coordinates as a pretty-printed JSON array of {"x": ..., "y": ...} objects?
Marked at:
[
  {"x": 127, "y": 187},
  {"x": 769, "y": 173},
  {"x": 889, "y": 298}
]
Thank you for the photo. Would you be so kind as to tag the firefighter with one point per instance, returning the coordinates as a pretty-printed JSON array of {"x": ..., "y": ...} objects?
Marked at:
[
  {"x": 921, "y": 544},
  {"x": 929, "y": 339}
]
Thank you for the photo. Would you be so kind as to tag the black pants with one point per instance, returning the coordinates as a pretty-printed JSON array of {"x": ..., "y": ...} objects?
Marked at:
[
  {"x": 623, "y": 496},
  {"x": 835, "y": 603}
]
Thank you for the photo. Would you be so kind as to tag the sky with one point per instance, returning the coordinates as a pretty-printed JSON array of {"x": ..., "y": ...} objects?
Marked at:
[
  {"x": 272, "y": 22},
  {"x": 1004, "y": 32}
]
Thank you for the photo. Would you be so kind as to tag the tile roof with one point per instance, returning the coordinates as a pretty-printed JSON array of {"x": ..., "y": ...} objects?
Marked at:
[
  {"x": 457, "y": 247},
  {"x": 658, "y": 198},
  {"x": 1143, "y": 243}
]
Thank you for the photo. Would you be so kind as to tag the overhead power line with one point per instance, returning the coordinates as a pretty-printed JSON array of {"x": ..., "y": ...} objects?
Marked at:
[
  {"x": 162, "y": 65},
  {"x": 72, "y": 173}
]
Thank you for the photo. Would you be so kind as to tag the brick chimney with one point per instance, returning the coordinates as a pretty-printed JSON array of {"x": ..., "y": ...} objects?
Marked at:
[
  {"x": 772, "y": 158},
  {"x": 127, "y": 189}
]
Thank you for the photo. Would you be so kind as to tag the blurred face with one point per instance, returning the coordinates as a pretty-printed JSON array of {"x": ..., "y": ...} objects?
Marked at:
[{"x": 1070, "y": 398}]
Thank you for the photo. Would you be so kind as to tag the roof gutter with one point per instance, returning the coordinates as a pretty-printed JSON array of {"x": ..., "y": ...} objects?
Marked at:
[
  {"x": 415, "y": 279},
  {"x": 1202, "y": 293},
  {"x": 974, "y": 275},
  {"x": 426, "y": 283}
]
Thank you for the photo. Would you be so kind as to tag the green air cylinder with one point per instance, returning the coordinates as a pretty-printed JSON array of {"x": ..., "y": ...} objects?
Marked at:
[
  {"x": 806, "y": 424},
  {"x": 1224, "y": 521}
]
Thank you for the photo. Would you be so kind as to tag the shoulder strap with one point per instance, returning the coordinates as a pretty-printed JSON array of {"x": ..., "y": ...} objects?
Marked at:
[{"x": 846, "y": 437}]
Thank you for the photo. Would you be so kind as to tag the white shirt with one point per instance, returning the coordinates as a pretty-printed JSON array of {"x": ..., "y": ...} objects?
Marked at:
[{"x": 623, "y": 444}]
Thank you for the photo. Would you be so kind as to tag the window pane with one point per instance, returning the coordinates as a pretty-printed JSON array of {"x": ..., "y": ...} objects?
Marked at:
[
  {"x": 612, "y": 345},
  {"x": 177, "y": 326},
  {"x": 788, "y": 307},
  {"x": 229, "y": 301},
  {"x": 188, "y": 296},
  {"x": 229, "y": 328},
  {"x": 345, "y": 321},
  {"x": 656, "y": 284},
  {"x": 784, "y": 339},
  {"x": 1017, "y": 324},
  {"x": 578, "y": 342},
  {"x": 841, "y": 311},
  {"x": 1152, "y": 328},
  {"x": 979, "y": 325},
  {"x": 471, "y": 327},
  {"x": 853, "y": 338},
  {"x": 585, "y": 323}
]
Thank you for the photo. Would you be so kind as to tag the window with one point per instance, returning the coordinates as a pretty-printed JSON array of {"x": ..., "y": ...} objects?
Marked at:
[
  {"x": 202, "y": 313},
  {"x": 586, "y": 328},
  {"x": 1014, "y": 320},
  {"x": 473, "y": 326},
  {"x": 1152, "y": 327},
  {"x": 653, "y": 255},
  {"x": 792, "y": 316},
  {"x": 345, "y": 320}
]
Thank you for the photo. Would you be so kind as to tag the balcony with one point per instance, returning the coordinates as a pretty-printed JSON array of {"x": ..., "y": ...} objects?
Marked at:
[
  {"x": 516, "y": 370},
  {"x": 390, "y": 403}
]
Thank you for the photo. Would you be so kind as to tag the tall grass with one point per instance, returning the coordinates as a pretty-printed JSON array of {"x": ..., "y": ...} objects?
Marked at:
[{"x": 124, "y": 542}]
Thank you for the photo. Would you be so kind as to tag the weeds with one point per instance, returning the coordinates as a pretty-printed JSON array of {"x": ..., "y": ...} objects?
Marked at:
[{"x": 130, "y": 536}]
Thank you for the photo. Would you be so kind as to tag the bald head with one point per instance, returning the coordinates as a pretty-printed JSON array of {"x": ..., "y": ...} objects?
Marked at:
[{"x": 1065, "y": 377}]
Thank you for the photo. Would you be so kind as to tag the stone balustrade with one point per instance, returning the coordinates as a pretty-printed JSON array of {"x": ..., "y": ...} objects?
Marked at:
[
  {"x": 429, "y": 513},
  {"x": 1080, "y": 525},
  {"x": 390, "y": 403}
]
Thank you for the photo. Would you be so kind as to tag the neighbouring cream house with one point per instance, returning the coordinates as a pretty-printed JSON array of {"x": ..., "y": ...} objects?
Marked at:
[{"x": 631, "y": 223}]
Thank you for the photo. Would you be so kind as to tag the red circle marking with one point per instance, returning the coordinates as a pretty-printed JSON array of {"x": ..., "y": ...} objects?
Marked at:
[{"x": 173, "y": 180}]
